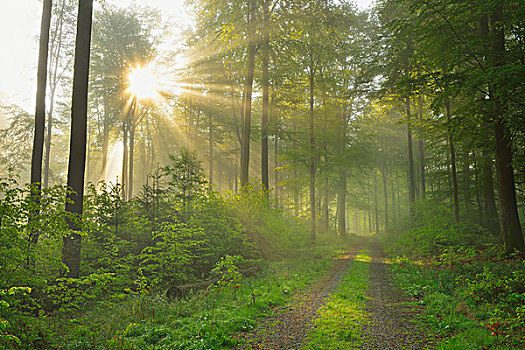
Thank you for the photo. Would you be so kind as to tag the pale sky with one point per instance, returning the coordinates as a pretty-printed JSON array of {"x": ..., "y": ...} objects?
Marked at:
[{"x": 19, "y": 29}]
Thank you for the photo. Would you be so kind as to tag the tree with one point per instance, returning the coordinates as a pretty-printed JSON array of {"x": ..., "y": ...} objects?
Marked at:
[
  {"x": 40, "y": 114},
  {"x": 77, "y": 153}
]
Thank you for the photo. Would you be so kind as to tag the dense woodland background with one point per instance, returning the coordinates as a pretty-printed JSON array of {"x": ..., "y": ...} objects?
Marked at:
[{"x": 279, "y": 129}]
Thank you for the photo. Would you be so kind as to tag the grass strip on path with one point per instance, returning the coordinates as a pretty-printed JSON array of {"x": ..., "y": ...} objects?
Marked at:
[{"x": 339, "y": 325}]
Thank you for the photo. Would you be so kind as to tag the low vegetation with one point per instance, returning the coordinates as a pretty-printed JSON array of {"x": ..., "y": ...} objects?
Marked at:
[
  {"x": 474, "y": 293},
  {"x": 176, "y": 233}
]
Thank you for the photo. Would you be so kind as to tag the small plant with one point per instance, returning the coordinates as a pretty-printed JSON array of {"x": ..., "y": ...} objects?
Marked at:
[{"x": 229, "y": 275}]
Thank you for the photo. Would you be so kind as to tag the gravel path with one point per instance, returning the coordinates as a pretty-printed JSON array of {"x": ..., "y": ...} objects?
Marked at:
[
  {"x": 290, "y": 325},
  {"x": 392, "y": 325}
]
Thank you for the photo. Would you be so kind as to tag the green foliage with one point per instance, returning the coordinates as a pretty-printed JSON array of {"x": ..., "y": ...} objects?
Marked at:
[
  {"x": 431, "y": 229},
  {"x": 275, "y": 235},
  {"x": 186, "y": 177},
  {"x": 471, "y": 295},
  {"x": 228, "y": 273},
  {"x": 172, "y": 252}
]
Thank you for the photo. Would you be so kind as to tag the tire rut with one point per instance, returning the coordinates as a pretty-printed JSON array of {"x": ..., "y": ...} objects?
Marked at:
[
  {"x": 290, "y": 325},
  {"x": 391, "y": 325}
]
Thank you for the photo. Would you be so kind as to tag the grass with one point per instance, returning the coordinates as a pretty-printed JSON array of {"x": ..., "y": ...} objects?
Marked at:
[
  {"x": 339, "y": 325},
  {"x": 472, "y": 297},
  {"x": 210, "y": 319}
]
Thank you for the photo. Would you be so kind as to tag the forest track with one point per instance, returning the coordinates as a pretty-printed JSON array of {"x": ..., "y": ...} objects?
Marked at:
[
  {"x": 392, "y": 316},
  {"x": 291, "y": 324}
]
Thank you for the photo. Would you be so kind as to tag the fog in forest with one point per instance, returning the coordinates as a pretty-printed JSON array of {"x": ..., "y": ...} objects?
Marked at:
[{"x": 159, "y": 159}]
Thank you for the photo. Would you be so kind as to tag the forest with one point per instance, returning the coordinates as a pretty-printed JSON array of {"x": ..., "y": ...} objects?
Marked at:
[{"x": 269, "y": 174}]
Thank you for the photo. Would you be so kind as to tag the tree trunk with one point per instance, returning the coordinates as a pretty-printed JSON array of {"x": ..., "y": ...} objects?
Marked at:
[
  {"x": 490, "y": 212},
  {"x": 265, "y": 97},
  {"x": 477, "y": 189},
  {"x": 312, "y": 156},
  {"x": 276, "y": 168},
  {"x": 376, "y": 210},
  {"x": 386, "y": 198},
  {"x": 453, "y": 163},
  {"x": 131, "y": 159},
  {"x": 40, "y": 111},
  {"x": 77, "y": 155},
  {"x": 510, "y": 226},
  {"x": 105, "y": 141},
  {"x": 124, "y": 161},
  {"x": 467, "y": 182},
  {"x": 422, "y": 150},
  {"x": 245, "y": 150},
  {"x": 341, "y": 203},
  {"x": 411, "y": 178},
  {"x": 326, "y": 207},
  {"x": 210, "y": 144}
]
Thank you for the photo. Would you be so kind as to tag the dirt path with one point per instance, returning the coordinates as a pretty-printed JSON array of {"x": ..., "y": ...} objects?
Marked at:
[
  {"x": 392, "y": 325},
  {"x": 291, "y": 324}
]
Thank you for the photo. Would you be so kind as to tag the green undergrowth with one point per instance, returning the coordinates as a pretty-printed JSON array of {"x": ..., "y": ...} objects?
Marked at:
[
  {"x": 339, "y": 325},
  {"x": 472, "y": 300},
  {"x": 473, "y": 293},
  {"x": 208, "y": 319}
]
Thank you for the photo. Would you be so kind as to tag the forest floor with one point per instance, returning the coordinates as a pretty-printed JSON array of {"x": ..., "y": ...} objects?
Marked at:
[{"x": 391, "y": 318}]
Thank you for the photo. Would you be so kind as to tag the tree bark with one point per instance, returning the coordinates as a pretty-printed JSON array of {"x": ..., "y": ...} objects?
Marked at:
[
  {"x": 376, "y": 210},
  {"x": 312, "y": 155},
  {"x": 248, "y": 87},
  {"x": 411, "y": 178},
  {"x": 40, "y": 111},
  {"x": 386, "y": 198},
  {"x": 453, "y": 163},
  {"x": 422, "y": 150},
  {"x": 490, "y": 212},
  {"x": 77, "y": 155},
  {"x": 510, "y": 226},
  {"x": 265, "y": 97},
  {"x": 124, "y": 161},
  {"x": 210, "y": 144}
]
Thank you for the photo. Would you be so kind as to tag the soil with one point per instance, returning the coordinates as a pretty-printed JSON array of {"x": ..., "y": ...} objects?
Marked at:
[
  {"x": 393, "y": 318},
  {"x": 392, "y": 321}
]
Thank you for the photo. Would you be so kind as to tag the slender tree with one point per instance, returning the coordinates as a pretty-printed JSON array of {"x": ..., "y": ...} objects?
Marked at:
[{"x": 77, "y": 155}]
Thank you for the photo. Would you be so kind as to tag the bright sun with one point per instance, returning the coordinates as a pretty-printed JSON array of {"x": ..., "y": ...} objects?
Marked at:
[{"x": 143, "y": 83}]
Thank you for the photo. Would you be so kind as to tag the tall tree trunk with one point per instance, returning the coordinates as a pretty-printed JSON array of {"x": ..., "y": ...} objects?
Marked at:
[
  {"x": 124, "y": 160},
  {"x": 386, "y": 197},
  {"x": 411, "y": 176},
  {"x": 77, "y": 155},
  {"x": 248, "y": 87},
  {"x": 341, "y": 203},
  {"x": 326, "y": 211},
  {"x": 467, "y": 184},
  {"x": 453, "y": 163},
  {"x": 105, "y": 141},
  {"x": 394, "y": 219},
  {"x": 266, "y": 93},
  {"x": 511, "y": 232},
  {"x": 376, "y": 210},
  {"x": 477, "y": 189},
  {"x": 311, "y": 128},
  {"x": 276, "y": 168},
  {"x": 210, "y": 144},
  {"x": 40, "y": 111},
  {"x": 490, "y": 212},
  {"x": 131, "y": 159},
  {"x": 422, "y": 150}
]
